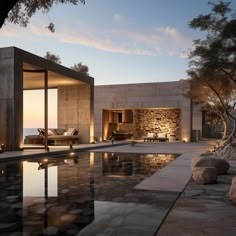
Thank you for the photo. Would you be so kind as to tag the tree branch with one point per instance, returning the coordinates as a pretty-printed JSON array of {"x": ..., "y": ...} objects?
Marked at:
[{"x": 5, "y": 7}]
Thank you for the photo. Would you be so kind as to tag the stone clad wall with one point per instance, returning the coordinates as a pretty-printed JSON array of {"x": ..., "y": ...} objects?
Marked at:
[{"x": 157, "y": 121}]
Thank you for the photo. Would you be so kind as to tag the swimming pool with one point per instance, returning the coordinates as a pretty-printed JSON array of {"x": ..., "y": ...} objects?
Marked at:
[{"x": 80, "y": 194}]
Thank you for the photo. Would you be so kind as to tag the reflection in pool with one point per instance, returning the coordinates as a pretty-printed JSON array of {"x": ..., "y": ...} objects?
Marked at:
[
  {"x": 135, "y": 164},
  {"x": 56, "y": 195}
]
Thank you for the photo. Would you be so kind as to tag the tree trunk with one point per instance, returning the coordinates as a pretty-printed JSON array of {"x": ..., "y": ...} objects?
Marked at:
[
  {"x": 232, "y": 136},
  {"x": 5, "y": 7},
  {"x": 225, "y": 124}
]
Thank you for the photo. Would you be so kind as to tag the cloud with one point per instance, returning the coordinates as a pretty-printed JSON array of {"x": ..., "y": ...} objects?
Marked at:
[
  {"x": 103, "y": 43},
  {"x": 164, "y": 41},
  {"x": 6, "y": 31},
  {"x": 149, "y": 42},
  {"x": 172, "y": 40}
]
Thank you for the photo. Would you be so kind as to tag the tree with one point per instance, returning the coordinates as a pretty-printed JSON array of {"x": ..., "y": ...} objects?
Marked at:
[
  {"x": 217, "y": 51},
  {"x": 53, "y": 57},
  {"x": 217, "y": 95},
  {"x": 214, "y": 57},
  {"x": 80, "y": 68},
  {"x": 20, "y": 11}
]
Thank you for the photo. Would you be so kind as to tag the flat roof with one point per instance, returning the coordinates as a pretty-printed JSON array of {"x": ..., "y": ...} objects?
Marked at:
[{"x": 34, "y": 66}]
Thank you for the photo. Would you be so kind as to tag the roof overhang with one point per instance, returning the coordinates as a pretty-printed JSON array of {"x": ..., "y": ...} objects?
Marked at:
[{"x": 34, "y": 68}]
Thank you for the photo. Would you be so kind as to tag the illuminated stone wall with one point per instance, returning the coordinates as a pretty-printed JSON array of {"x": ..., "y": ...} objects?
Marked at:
[
  {"x": 157, "y": 121},
  {"x": 148, "y": 96}
]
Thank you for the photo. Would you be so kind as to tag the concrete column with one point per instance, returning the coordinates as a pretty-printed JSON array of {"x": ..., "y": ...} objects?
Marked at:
[
  {"x": 11, "y": 100},
  {"x": 197, "y": 118},
  {"x": 105, "y": 116},
  {"x": 98, "y": 125},
  {"x": 186, "y": 117}
]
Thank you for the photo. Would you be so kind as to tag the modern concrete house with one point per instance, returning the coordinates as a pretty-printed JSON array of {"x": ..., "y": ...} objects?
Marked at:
[
  {"x": 21, "y": 70},
  {"x": 128, "y": 109},
  {"x": 138, "y": 109}
]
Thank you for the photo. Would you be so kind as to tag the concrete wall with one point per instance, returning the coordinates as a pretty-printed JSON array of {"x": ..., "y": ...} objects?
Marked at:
[
  {"x": 11, "y": 100},
  {"x": 77, "y": 102},
  {"x": 75, "y": 110},
  {"x": 197, "y": 117},
  {"x": 143, "y": 96}
]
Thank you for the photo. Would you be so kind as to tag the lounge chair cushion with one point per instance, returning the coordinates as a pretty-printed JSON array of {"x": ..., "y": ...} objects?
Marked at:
[
  {"x": 162, "y": 135},
  {"x": 72, "y": 131},
  {"x": 60, "y": 131},
  {"x": 52, "y": 132},
  {"x": 150, "y": 135}
]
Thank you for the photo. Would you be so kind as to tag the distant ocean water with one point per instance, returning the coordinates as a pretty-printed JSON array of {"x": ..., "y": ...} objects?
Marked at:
[{"x": 30, "y": 131}]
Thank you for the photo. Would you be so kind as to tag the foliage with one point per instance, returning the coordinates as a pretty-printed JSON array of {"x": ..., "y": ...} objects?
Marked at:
[
  {"x": 217, "y": 51},
  {"x": 53, "y": 57},
  {"x": 217, "y": 94},
  {"x": 212, "y": 72},
  {"x": 20, "y": 11},
  {"x": 81, "y": 68}
]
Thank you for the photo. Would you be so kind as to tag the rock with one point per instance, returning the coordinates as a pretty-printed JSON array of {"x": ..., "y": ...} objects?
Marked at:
[
  {"x": 205, "y": 175},
  {"x": 232, "y": 191},
  {"x": 207, "y": 154},
  {"x": 195, "y": 160},
  {"x": 220, "y": 164}
]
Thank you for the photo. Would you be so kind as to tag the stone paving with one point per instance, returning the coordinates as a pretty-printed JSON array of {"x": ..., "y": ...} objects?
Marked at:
[
  {"x": 157, "y": 208},
  {"x": 203, "y": 210},
  {"x": 200, "y": 209}
]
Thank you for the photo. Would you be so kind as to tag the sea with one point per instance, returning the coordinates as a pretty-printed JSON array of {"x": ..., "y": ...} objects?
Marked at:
[{"x": 30, "y": 131}]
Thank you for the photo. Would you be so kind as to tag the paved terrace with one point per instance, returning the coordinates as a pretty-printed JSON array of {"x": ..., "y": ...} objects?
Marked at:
[
  {"x": 193, "y": 210},
  {"x": 184, "y": 208}
]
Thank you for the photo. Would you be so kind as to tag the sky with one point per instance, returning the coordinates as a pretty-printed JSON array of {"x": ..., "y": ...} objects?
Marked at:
[{"x": 121, "y": 41}]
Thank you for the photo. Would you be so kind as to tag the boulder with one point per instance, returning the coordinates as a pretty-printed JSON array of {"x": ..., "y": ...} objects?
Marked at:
[
  {"x": 232, "y": 191},
  {"x": 207, "y": 154},
  {"x": 195, "y": 160},
  {"x": 221, "y": 165},
  {"x": 205, "y": 175}
]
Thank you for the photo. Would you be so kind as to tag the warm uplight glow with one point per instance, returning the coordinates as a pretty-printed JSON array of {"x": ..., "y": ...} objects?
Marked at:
[
  {"x": 92, "y": 139},
  {"x": 91, "y": 157},
  {"x": 106, "y": 156},
  {"x": 72, "y": 154},
  {"x": 185, "y": 139}
]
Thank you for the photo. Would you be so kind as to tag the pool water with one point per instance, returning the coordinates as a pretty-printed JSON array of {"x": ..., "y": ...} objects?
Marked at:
[{"x": 77, "y": 194}]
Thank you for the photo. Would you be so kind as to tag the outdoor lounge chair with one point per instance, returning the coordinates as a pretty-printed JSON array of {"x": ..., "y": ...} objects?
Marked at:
[
  {"x": 150, "y": 137},
  {"x": 162, "y": 137},
  {"x": 55, "y": 137}
]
